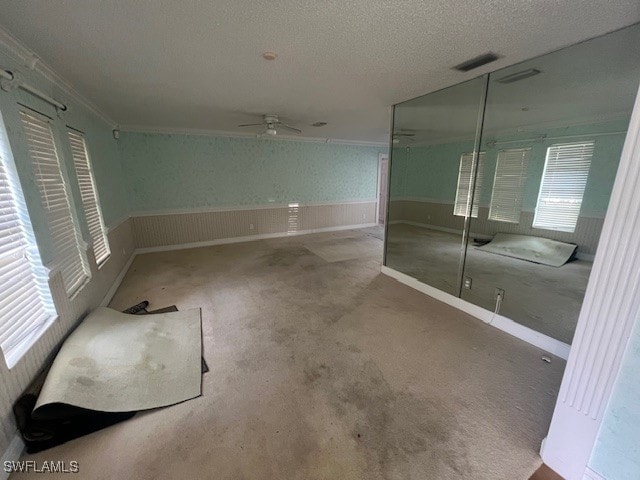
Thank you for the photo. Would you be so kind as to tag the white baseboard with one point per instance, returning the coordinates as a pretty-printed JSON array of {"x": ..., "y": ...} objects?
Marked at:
[
  {"x": 591, "y": 475},
  {"x": 11, "y": 454},
  {"x": 505, "y": 324},
  {"x": 249, "y": 238},
  {"x": 116, "y": 283}
]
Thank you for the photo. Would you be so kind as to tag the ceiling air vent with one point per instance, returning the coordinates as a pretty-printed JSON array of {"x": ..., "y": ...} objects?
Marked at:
[
  {"x": 514, "y": 77},
  {"x": 477, "y": 62}
]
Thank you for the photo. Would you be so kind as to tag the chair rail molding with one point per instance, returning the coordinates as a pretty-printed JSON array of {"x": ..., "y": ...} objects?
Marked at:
[{"x": 610, "y": 307}]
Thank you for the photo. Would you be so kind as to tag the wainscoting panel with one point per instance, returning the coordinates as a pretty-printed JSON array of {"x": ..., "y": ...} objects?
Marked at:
[
  {"x": 70, "y": 311},
  {"x": 185, "y": 228},
  {"x": 440, "y": 215}
]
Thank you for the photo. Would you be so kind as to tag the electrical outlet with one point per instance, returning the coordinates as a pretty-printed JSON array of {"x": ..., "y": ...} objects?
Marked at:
[
  {"x": 364, "y": 216},
  {"x": 251, "y": 226},
  {"x": 498, "y": 293},
  {"x": 467, "y": 283}
]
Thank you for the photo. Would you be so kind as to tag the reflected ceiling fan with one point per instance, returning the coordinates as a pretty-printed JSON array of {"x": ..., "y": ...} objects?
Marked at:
[
  {"x": 403, "y": 135},
  {"x": 271, "y": 125}
]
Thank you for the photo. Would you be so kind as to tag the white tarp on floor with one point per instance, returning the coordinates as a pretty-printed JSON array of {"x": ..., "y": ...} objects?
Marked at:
[
  {"x": 115, "y": 362},
  {"x": 534, "y": 249}
]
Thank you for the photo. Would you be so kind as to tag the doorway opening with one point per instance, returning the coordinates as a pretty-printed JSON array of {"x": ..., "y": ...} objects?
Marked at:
[{"x": 383, "y": 175}]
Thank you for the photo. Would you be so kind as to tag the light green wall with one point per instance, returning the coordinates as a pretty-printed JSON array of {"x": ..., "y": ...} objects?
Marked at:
[
  {"x": 432, "y": 171},
  {"x": 616, "y": 455},
  {"x": 103, "y": 152},
  {"x": 169, "y": 172}
]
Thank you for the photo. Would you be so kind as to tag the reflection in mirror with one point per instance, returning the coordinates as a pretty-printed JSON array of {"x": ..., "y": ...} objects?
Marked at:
[
  {"x": 432, "y": 164},
  {"x": 552, "y": 135}
]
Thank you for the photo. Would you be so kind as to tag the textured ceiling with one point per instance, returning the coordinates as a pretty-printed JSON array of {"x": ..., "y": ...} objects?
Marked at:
[
  {"x": 592, "y": 81},
  {"x": 198, "y": 65}
]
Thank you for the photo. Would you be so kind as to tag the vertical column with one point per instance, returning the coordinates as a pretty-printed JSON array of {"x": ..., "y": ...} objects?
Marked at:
[{"x": 610, "y": 307}]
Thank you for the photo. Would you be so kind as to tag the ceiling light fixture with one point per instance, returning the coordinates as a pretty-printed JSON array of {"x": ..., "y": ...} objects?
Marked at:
[
  {"x": 271, "y": 131},
  {"x": 269, "y": 55}
]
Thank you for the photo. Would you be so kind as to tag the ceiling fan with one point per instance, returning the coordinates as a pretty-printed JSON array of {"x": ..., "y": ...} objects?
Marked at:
[
  {"x": 402, "y": 135},
  {"x": 271, "y": 124}
]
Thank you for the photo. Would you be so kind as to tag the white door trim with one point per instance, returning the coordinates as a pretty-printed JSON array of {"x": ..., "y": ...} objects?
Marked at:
[
  {"x": 381, "y": 158},
  {"x": 611, "y": 305}
]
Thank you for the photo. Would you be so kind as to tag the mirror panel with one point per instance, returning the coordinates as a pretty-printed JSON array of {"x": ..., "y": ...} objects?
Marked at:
[
  {"x": 552, "y": 136},
  {"x": 429, "y": 193}
]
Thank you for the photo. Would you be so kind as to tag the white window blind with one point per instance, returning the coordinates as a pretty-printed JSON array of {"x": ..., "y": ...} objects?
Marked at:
[
  {"x": 462, "y": 208},
  {"x": 508, "y": 185},
  {"x": 566, "y": 170},
  {"x": 26, "y": 308},
  {"x": 89, "y": 194},
  {"x": 69, "y": 256}
]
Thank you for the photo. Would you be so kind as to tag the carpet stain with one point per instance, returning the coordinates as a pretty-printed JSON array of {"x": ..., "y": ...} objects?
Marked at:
[
  {"x": 82, "y": 362},
  {"x": 284, "y": 257},
  {"x": 85, "y": 381},
  {"x": 394, "y": 430}
]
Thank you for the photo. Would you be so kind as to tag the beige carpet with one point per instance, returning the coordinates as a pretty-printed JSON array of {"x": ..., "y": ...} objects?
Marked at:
[
  {"x": 325, "y": 370},
  {"x": 341, "y": 249},
  {"x": 115, "y": 362}
]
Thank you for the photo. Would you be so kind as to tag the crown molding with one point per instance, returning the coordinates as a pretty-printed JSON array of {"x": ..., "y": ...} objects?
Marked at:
[
  {"x": 537, "y": 129},
  {"x": 223, "y": 133},
  {"x": 32, "y": 61}
]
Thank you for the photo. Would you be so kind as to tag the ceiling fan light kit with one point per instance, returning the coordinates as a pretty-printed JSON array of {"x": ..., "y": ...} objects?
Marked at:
[{"x": 271, "y": 124}]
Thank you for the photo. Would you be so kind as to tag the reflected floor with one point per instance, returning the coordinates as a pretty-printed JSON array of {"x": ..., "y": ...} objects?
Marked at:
[{"x": 546, "y": 299}]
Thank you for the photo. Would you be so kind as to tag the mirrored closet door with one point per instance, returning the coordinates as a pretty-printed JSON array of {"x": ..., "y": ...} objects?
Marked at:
[
  {"x": 427, "y": 132},
  {"x": 508, "y": 216}
]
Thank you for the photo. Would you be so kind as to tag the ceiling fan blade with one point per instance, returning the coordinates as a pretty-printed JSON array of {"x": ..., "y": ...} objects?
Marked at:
[
  {"x": 293, "y": 129},
  {"x": 251, "y": 124}
]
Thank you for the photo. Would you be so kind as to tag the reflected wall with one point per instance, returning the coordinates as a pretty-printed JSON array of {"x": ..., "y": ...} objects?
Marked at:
[
  {"x": 420, "y": 176},
  {"x": 539, "y": 167}
]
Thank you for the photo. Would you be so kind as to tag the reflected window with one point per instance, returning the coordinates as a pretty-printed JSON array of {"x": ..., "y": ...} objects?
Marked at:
[
  {"x": 463, "y": 206},
  {"x": 564, "y": 180},
  {"x": 508, "y": 185}
]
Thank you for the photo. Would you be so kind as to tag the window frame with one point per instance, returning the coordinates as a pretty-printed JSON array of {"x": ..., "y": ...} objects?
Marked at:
[
  {"x": 538, "y": 223},
  {"x": 37, "y": 324},
  {"x": 497, "y": 211},
  {"x": 465, "y": 209},
  {"x": 78, "y": 242},
  {"x": 90, "y": 198}
]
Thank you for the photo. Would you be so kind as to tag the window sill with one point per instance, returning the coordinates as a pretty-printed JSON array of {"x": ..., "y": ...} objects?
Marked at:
[
  {"x": 103, "y": 262},
  {"x": 20, "y": 350},
  {"x": 76, "y": 291}
]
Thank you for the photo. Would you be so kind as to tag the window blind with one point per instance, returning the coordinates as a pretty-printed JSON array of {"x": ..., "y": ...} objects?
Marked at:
[
  {"x": 508, "y": 185},
  {"x": 566, "y": 169},
  {"x": 26, "y": 308},
  {"x": 89, "y": 194},
  {"x": 462, "y": 207},
  {"x": 69, "y": 256}
]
